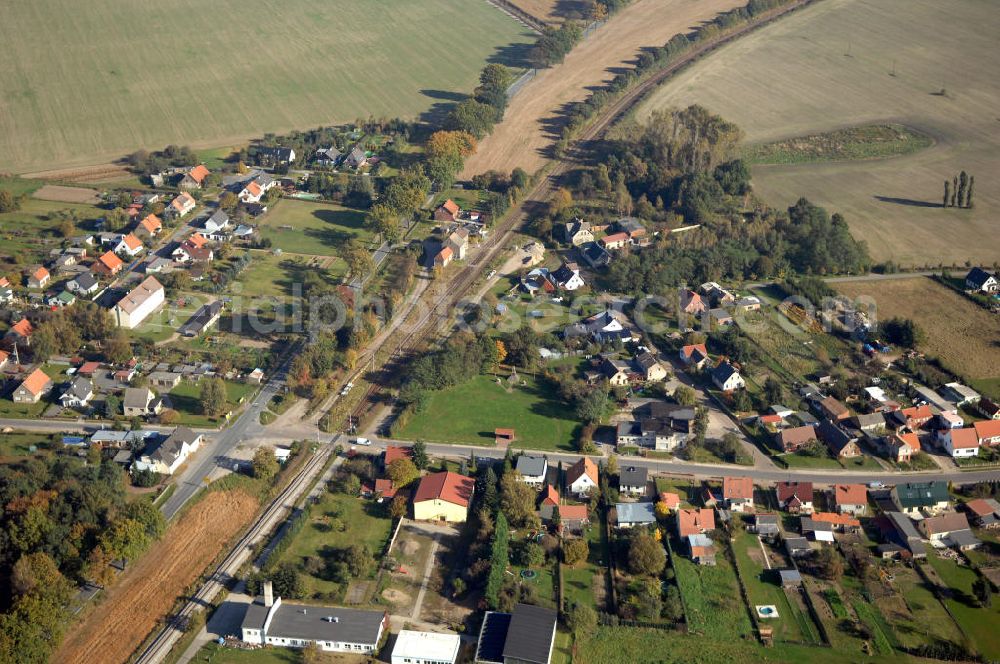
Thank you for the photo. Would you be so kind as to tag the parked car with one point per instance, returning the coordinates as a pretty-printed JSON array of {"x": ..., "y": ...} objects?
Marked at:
[{"x": 362, "y": 441}]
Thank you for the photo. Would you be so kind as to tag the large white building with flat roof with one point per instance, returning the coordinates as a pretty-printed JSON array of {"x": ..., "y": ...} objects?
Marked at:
[{"x": 426, "y": 648}]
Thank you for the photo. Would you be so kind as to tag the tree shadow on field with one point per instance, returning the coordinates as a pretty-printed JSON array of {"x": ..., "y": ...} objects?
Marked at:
[
  {"x": 907, "y": 201},
  {"x": 444, "y": 95},
  {"x": 515, "y": 56}
]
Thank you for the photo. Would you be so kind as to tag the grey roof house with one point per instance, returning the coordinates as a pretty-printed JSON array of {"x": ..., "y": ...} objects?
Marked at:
[
  {"x": 632, "y": 479},
  {"x": 524, "y": 636}
]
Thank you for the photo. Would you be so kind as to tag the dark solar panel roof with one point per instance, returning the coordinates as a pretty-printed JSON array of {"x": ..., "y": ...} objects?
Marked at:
[{"x": 492, "y": 637}]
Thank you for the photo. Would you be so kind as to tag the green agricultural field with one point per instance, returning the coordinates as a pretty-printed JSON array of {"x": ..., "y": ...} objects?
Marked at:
[
  {"x": 86, "y": 82},
  {"x": 469, "y": 414},
  {"x": 844, "y": 64},
  {"x": 317, "y": 229}
]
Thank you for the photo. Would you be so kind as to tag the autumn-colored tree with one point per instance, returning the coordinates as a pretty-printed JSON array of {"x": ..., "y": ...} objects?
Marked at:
[
  {"x": 501, "y": 351},
  {"x": 451, "y": 145},
  {"x": 402, "y": 472},
  {"x": 562, "y": 200},
  {"x": 398, "y": 507}
]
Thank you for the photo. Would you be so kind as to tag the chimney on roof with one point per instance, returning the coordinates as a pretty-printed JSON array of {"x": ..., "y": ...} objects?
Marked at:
[{"x": 268, "y": 594}]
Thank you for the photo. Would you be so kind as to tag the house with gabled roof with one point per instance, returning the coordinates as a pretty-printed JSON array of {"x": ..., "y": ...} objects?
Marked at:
[
  {"x": 961, "y": 443},
  {"x": 840, "y": 443},
  {"x": 130, "y": 245},
  {"x": 33, "y": 388},
  {"x": 550, "y": 496},
  {"x": 629, "y": 515},
  {"x": 795, "y": 497},
  {"x": 576, "y": 232},
  {"x": 108, "y": 264},
  {"x": 39, "y": 277},
  {"x": 595, "y": 255},
  {"x": 581, "y": 478},
  {"x": 850, "y": 499},
  {"x": 633, "y": 480},
  {"x": 651, "y": 370},
  {"x": 444, "y": 257},
  {"x": 902, "y": 446},
  {"x": 447, "y": 211},
  {"x": 327, "y": 157},
  {"x": 150, "y": 225},
  {"x": 194, "y": 178},
  {"x": 988, "y": 432},
  {"x": 20, "y": 333},
  {"x": 84, "y": 283},
  {"x": 614, "y": 241},
  {"x": 139, "y": 303},
  {"x": 981, "y": 281},
  {"x": 727, "y": 377},
  {"x": 694, "y": 355},
  {"x": 525, "y": 636},
  {"x": 737, "y": 493},
  {"x": 833, "y": 409},
  {"x": 695, "y": 521},
  {"x": 692, "y": 303},
  {"x": 532, "y": 469},
  {"x": 988, "y": 409},
  {"x": 356, "y": 158},
  {"x": 443, "y": 496},
  {"x": 165, "y": 456},
  {"x": 182, "y": 205},
  {"x": 912, "y": 498},
  {"x": 78, "y": 394}
]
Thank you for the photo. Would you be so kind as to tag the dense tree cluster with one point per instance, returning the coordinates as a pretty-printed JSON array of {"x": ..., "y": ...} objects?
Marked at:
[
  {"x": 901, "y": 332},
  {"x": 554, "y": 44},
  {"x": 63, "y": 331},
  {"x": 145, "y": 162},
  {"x": 477, "y": 114},
  {"x": 958, "y": 192},
  {"x": 463, "y": 357},
  {"x": 63, "y": 521}
]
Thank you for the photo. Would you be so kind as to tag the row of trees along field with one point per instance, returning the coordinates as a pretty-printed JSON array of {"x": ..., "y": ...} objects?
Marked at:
[{"x": 64, "y": 521}]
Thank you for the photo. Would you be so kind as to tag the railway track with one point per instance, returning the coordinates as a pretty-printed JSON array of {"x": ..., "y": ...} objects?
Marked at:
[
  {"x": 441, "y": 309},
  {"x": 162, "y": 643}
]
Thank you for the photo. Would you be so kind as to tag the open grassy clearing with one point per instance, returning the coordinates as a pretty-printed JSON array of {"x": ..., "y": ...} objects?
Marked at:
[
  {"x": 213, "y": 652},
  {"x": 831, "y": 66},
  {"x": 579, "y": 581},
  {"x": 363, "y": 523},
  {"x": 469, "y": 414},
  {"x": 20, "y": 443},
  {"x": 207, "y": 75},
  {"x": 922, "y": 615},
  {"x": 533, "y": 119},
  {"x": 960, "y": 333},
  {"x": 319, "y": 229},
  {"x": 270, "y": 275},
  {"x": 186, "y": 400}
]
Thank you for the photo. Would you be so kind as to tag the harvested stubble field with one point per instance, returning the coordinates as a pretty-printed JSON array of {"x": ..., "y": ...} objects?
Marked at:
[
  {"x": 959, "y": 332},
  {"x": 61, "y": 194},
  {"x": 208, "y": 74},
  {"x": 846, "y": 63},
  {"x": 533, "y": 119},
  {"x": 131, "y": 609}
]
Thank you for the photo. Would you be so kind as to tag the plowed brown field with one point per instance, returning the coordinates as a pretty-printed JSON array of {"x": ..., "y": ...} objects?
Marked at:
[
  {"x": 113, "y": 630},
  {"x": 533, "y": 121}
]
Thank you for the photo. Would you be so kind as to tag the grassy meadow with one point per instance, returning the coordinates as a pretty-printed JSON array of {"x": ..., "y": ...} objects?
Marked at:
[
  {"x": 470, "y": 412},
  {"x": 844, "y": 64},
  {"x": 86, "y": 82},
  {"x": 320, "y": 229}
]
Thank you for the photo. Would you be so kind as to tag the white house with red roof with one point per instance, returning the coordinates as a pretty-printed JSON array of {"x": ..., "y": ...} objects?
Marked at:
[{"x": 961, "y": 443}]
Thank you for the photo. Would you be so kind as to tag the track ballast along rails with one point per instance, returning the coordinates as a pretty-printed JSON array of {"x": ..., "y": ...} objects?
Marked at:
[{"x": 168, "y": 635}]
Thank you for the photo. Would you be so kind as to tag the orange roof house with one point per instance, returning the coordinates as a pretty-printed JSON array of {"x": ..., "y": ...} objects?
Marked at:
[
  {"x": 737, "y": 487},
  {"x": 108, "y": 264},
  {"x": 385, "y": 488},
  {"x": 197, "y": 240},
  {"x": 151, "y": 224},
  {"x": 447, "y": 211},
  {"x": 838, "y": 521},
  {"x": 198, "y": 173},
  {"x": 33, "y": 387},
  {"x": 550, "y": 495},
  {"x": 695, "y": 521},
  {"x": 22, "y": 328},
  {"x": 851, "y": 498},
  {"x": 132, "y": 242},
  {"x": 582, "y": 476},
  {"x": 443, "y": 496},
  {"x": 38, "y": 278},
  {"x": 670, "y": 499},
  {"x": 988, "y": 432}
]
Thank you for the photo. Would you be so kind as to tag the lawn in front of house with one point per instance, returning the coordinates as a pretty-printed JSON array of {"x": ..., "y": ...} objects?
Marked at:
[
  {"x": 362, "y": 521},
  {"x": 319, "y": 229},
  {"x": 469, "y": 413},
  {"x": 579, "y": 580},
  {"x": 216, "y": 654},
  {"x": 186, "y": 400},
  {"x": 19, "y": 443}
]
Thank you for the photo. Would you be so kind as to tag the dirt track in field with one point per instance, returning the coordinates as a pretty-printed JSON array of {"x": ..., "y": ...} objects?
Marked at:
[
  {"x": 131, "y": 609},
  {"x": 532, "y": 122}
]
